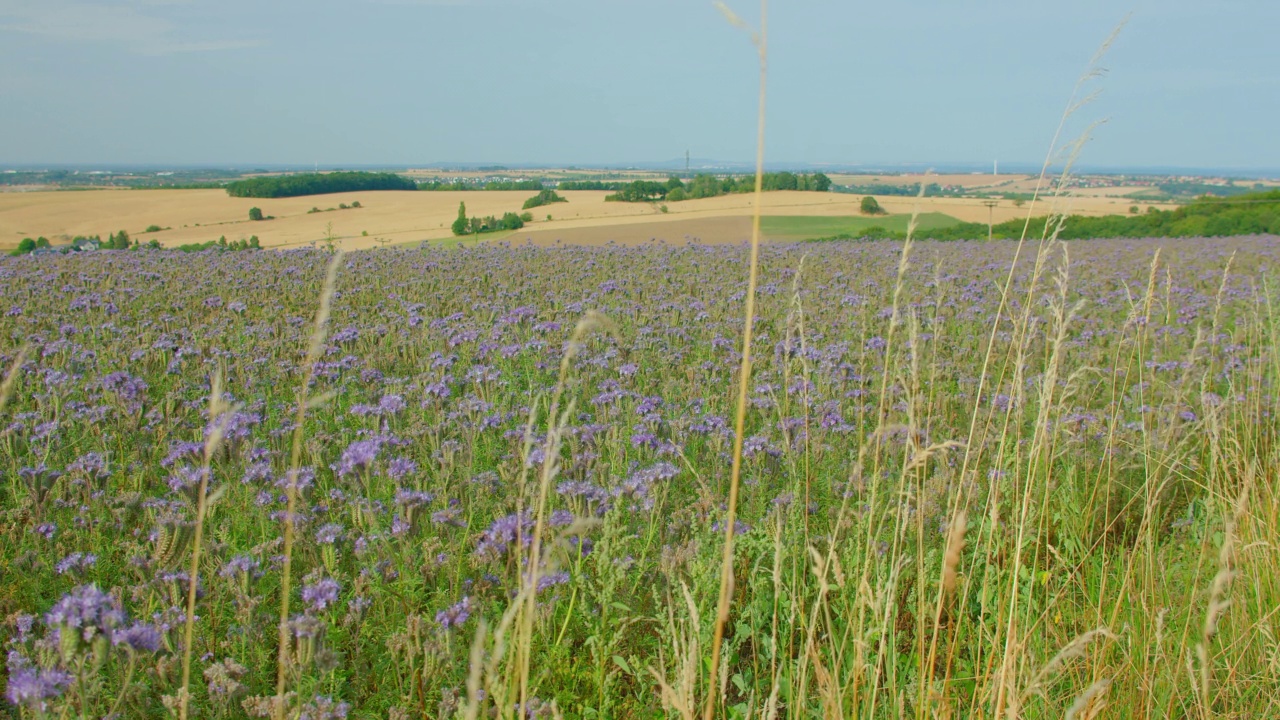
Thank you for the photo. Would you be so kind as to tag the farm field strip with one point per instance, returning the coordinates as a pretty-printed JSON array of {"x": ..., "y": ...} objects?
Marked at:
[{"x": 401, "y": 217}]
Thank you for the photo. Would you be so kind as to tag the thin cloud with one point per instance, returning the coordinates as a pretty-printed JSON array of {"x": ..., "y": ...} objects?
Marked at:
[{"x": 121, "y": 23}]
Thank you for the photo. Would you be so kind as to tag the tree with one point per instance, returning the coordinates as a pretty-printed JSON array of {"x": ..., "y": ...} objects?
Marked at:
[
  {"x": 255, "y": 214},
  {"x": 24, "y": 247},
  {"x": 677, "y": 194},
  {"x": 871, "y": 207},
  {"x": 460, "y": 225},
  {"x": 820, "y": 183},
  {"x": 674, "y": 182}
]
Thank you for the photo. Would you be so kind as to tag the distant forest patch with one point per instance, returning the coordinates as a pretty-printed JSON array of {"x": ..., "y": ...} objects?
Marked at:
[
  {"x": 1251, "y": 214},
  {"x": 703, "y": 186},
  {"x": 282, "y": 186}
]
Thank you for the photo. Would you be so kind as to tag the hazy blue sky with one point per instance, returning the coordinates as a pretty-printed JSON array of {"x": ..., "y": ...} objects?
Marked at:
[{"x": 1190, "y": 83}]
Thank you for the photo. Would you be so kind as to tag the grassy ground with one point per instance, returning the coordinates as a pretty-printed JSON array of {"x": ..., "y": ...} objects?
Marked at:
[
  {"x": 978, "y": 481},
  {"x": 806, "y": 227}
]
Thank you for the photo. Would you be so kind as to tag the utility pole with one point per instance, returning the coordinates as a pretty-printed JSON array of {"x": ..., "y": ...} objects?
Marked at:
[
  {"x": 991, "y": 205},
  {"x": 686, "y": 162}
]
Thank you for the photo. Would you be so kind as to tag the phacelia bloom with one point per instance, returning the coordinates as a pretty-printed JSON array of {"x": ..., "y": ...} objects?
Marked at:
[
  {"x": 76, "y": 562},
  {"x": 320, "y": 594},
  {"x": 412, "y": 499},
  {"x": 92, "y": 465},
  {"x": 503, "y": 532},
  {"x": 399, "y": 468},
  {"x": 358, "y": 456},
  {"x": 138, "y": 637},
  {"x": 322, "y": 707},
  {"x": 391, "y": 404},
  {"x": 86, "y": 610},
  {"x": 455, "y": 616},
  {"x": 31, "y": 687},
  {"x": 329, "y": 534},
  {"x": 551, "y": 580},
  {"x": 238, "y": 565}
]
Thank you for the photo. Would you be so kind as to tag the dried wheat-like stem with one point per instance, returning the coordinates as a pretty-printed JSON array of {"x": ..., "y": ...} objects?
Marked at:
[
  {"x": 744, "y": 370},
  {"x": 11, "y": 377},
  {"x": 318, "y": 335},
  {"x": 218, "y": 418},
  {"x": 556, "y": 420}
]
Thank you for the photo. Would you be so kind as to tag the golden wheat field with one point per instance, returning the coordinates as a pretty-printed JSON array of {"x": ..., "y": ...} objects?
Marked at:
[{"x": 192, "y": 216}]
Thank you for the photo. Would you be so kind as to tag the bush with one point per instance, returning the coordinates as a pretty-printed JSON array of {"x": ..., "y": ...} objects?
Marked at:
[
  {"x": 677, "y": 194},
  {"x": 255, "y": 213},
  {"x": 317, "y": 184},
  {"x": 460, "y": 226},
  {"x": 871, "y": 207},
  {"x": 157, "y": 228},
  {"x": 526, "y": 216},
  {"x": 546, "y": 197}
]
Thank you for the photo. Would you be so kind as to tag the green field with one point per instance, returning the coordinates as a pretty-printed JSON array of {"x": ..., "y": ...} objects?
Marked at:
[{"x": 805, "y": 227}]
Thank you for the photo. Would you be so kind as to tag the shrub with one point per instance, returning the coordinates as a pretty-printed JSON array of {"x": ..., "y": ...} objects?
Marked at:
[
  {"x": 871, "y": 207},
  {"x": 546, "y": 197},
  {"x": 255, "y": 213}
]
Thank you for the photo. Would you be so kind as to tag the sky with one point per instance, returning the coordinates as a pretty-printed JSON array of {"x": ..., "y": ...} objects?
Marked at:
[{"x": 589, "y": 82}]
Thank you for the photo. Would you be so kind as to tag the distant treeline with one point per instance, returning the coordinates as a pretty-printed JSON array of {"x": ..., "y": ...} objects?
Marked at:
[
  {"x": 491, "y": 185},
  {"x": 590, "y": 185},
  {"x": 705, "y": 186},
  {"x": 1184, "y": 190},
  {"x": 317, "y": 184},
  {"x": 930, "y": 190},
  {"x": 1251, "y": 214}
]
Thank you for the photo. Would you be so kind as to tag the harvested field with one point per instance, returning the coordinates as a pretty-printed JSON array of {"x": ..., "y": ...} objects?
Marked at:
[{"x": 195, "y": 216}]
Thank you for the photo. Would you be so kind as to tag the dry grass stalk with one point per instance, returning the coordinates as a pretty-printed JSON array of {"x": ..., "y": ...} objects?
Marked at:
[
  {"x": 316, "y": 346},
  {"x": 11, "y": 377},
  {"x": 557, "y": 420},
  {"x": 1089, "y": 704},
  {"x": 219, "y": 416},
  {"x": 760, "y": 40},
  {"x": 955, "y": 546}
]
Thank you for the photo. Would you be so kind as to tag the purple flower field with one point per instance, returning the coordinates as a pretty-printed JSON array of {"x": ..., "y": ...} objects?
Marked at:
[{"x": 956, "y": 500}]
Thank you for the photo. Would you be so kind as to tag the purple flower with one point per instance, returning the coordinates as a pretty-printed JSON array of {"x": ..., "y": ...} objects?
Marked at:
[
  {"x": 329, "y": 534},
  {"x": 359, "y": 455},
  {"x": 454, "y": 616},
  {"x": 86, "y": 610},
  {"x": 399, "y": 467},
  {"x": 32, "y": 687},
  {"x": 391, "y": 404},
  {"x": 322, "y": 707},
  {"x": 503, "y": 532},
  {"x": 137, "y": 637},
  {"x": 413, "y": 499},
  {"x": 240, "y": 564},
  {"x": 76, "y": 562},
  {"x": 549, "y": 581},
  {"x": 320, "y": 594}
]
